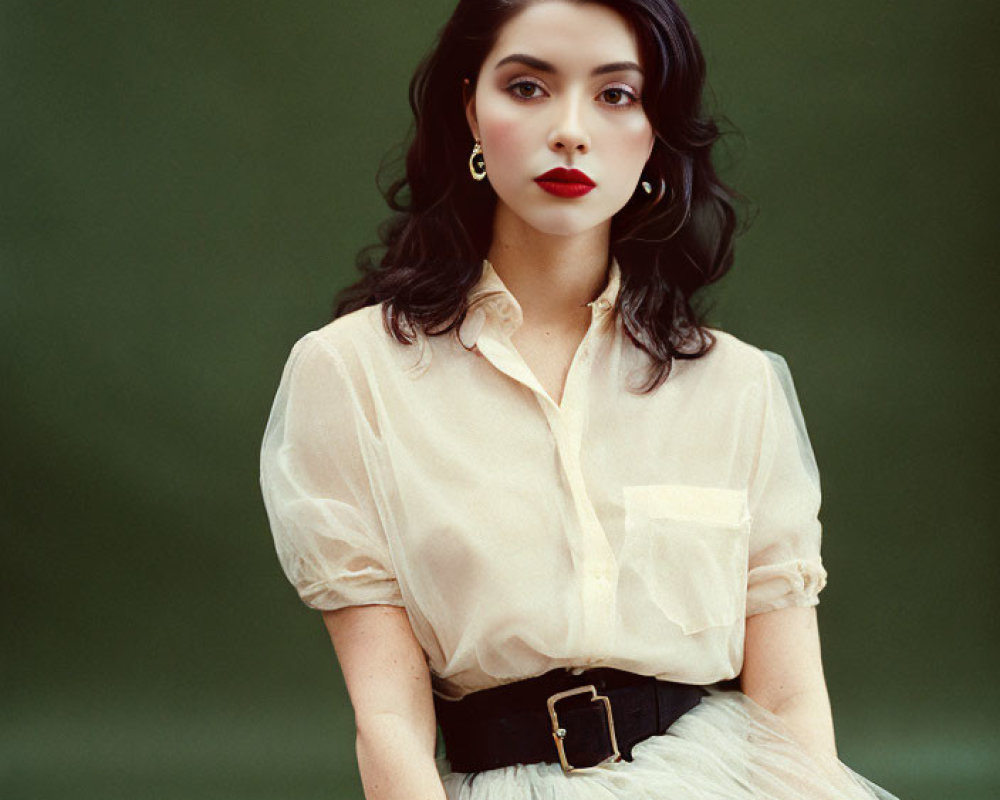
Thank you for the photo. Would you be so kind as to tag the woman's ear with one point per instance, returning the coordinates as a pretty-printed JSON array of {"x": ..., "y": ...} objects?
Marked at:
[{"x": 469, "y": 100}]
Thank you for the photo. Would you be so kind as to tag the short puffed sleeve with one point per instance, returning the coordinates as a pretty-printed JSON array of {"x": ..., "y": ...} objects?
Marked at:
[
  {"x": 313, "y": 477},
  {"x": 785, "y": 567}
]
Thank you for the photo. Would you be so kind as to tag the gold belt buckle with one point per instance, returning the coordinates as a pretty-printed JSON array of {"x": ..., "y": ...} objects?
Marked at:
[{"x": 559, "y": 733}]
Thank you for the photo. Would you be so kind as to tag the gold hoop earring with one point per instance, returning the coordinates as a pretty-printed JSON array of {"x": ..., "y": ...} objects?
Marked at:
[{"x": 477, "y": 164}]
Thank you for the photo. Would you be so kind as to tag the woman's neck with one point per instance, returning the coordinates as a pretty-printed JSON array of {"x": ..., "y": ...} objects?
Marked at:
[{"x": 552, "y": 277}]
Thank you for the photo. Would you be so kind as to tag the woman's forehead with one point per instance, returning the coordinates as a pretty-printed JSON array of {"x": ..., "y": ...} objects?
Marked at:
[{"x": 566, "y": 34}]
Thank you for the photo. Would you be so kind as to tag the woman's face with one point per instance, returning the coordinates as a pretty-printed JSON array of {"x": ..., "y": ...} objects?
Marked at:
[{"x": 562, "y": 89}]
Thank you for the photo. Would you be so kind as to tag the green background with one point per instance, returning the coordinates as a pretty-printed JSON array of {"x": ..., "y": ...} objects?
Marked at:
[{"x": 184, "y": 187}]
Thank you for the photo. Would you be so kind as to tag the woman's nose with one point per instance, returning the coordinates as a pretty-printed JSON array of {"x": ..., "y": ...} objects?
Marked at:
[{"x": 568, "y": 133}]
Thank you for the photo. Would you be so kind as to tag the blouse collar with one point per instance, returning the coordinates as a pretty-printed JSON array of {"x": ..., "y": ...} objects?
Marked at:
[{"x": 490, "y": 300}]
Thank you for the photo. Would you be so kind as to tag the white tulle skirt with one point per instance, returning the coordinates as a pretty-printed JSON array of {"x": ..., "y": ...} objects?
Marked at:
[{"x": 726, "y": 748}]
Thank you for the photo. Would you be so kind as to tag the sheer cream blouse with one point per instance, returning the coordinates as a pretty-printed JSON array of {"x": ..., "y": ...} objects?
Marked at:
[{"x": 521, "y": 535}]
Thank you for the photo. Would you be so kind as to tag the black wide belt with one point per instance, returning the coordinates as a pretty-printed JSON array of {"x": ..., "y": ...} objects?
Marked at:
[{"x": 578, "y": 721}]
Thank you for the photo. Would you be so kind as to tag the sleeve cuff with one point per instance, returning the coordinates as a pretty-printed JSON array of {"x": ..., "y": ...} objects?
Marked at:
[
  {"x": 792, "y": 583},
  {"x": 326, "y": 597}
]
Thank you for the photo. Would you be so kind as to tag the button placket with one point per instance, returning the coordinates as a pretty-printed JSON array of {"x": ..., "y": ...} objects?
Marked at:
[
  {"x": 574, "y": 393},
  {"x": 595, "y": 564},
  {"x": 593, "y": 557}
]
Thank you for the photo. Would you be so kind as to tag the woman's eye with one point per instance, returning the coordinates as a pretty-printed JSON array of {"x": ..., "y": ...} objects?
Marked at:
[
  {"x": 525, "y": 90},
  {"x": 619, "y": 96},
  {"x": 613, "y": 95}
]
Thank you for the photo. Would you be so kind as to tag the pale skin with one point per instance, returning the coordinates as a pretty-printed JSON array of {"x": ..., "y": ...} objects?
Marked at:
[
  {"x": 580, "y": 111},
  {"x": 552, "y": 253},
  {"x": 389, "y": 684},
  {"x": 390, "y": 689}
]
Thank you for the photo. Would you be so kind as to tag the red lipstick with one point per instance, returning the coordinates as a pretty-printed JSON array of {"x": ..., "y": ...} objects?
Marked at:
[{"x": 564, "y": 182}]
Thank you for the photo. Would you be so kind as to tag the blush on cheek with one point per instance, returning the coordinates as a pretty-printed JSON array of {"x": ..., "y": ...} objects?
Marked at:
[
  {"x": 637, "y": 134},
  {"x": 503, "y": 134}
]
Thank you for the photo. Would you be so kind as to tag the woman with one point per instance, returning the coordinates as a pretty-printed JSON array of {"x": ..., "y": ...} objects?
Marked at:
[{"x": 597, "y": 588}]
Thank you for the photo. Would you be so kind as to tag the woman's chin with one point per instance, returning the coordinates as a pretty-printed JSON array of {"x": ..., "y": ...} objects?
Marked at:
[
  {"x": 551, "y": 216},
  {"x": 565, "y": 223}
]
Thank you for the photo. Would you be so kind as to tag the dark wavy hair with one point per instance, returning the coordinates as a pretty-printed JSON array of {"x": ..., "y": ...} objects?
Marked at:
[{"x": 668, "y": 244}]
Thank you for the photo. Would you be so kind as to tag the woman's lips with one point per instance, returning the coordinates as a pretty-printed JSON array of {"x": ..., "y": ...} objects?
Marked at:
[{"x": 565, "y": 182}]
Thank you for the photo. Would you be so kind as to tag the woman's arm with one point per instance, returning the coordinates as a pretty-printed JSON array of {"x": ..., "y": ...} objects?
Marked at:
[
  {"x": 390, "y": 689},
  {"x": 783, "y": 671}
]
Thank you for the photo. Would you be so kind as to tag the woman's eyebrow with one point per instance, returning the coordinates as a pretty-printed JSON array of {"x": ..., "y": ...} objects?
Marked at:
[{"x": 545, "y": 66}]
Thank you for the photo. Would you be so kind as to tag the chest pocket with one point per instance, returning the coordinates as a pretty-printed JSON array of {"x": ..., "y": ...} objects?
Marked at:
[{"x": 687, "y": 546}]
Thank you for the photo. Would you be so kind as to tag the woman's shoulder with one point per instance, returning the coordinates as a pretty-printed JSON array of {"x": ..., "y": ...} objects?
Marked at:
[
  {"x": 740, "y": 367},
  {"x": 357, "y": 335},
  {"x": 362, "y": 343},
  {"x": 358, "y": 328},
  {"x": 736, "y": 359},
  {"x": 344, "y": 341}
]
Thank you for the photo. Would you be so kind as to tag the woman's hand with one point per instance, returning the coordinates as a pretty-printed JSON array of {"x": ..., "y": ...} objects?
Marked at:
[{"x": 390, "y": 689}]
